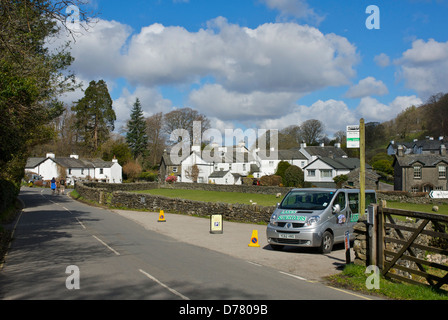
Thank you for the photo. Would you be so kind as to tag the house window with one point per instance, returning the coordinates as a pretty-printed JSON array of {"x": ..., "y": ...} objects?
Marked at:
[
  {"x": 311, "y": 173},
  {"x": 244, "y": 167},
  {"x": 82, "y": 171},
  {"x": 271, "y": 163},
  {"x": 175, "y": 169},
  {"x": 439, "y": 188},
  {"x": 70, "y": 171},
  {"x": 327, "y": 173},
  {"x": 442, "y": 172},
  {"x": 414, "y": 189},
  {"x": 417, "y": 172},
  {"x": 101, "y": 171}
]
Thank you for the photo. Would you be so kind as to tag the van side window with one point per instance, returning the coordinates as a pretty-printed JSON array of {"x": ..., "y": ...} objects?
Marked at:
[
  {"x": 353, "y": 202},
  {"x": 340, "y": 199}
]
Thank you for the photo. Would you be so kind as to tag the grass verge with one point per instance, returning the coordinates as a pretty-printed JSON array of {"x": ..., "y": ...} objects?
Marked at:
[
  {"x": 353, "y": 277},
  {"x": 216, "y": 196}
]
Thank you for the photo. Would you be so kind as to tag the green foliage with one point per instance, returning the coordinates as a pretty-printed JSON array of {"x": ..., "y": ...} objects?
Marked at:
[
  {"x": 95, "y": 116},
  {"x": 136, "y": 136},
  {"x": 31, "y": 78},
  {"x": 281, "y": 168},
  {"x": 340, "y": 179},
  {"x": 294, "y": 177}
]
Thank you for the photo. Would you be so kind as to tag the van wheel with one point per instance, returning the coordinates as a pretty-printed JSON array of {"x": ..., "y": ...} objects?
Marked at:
[
  {"x": 327, "y": 242},
  {"x": 276, "y": 247}
]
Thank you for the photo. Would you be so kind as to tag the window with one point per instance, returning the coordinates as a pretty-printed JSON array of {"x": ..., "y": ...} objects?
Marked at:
[
  {"x": 326, "y": 173},
  {"x": 174, "y": 169},
  {"x": 101, "y": 171},
  {"x": 70, "y": 171},
  {"x": 311, "y": 173},
  {"x": 417, "y": 172},
  {"x": 442, "y": 172},
  {"x": 414, "y": 189},
  {"x": 340, "y": 200}
]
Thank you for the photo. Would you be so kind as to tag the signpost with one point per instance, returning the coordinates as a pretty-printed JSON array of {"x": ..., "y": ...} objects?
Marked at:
[
  {"x": 356, "y": 139},
  {"x": 216, "y": 223},
  {"x": 438, "y": 194},
  {"x": 353, "y": 136}
]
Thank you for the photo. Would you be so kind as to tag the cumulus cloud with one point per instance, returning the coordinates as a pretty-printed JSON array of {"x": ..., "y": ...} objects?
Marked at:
[
  {"x": 372, "y": 110},
  {"x": 334, "y": 114},
  {"x": 284, "y": 57},
  {"x": 424, "y": 67},
  {"x": 367, "y": 87},
  {"x": 382, "y": 60}
]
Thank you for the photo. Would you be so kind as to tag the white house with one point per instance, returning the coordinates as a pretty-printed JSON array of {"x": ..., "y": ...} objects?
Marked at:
[
  {"x": 73, "y": 168},
  {"x": 322, "y": 170},
  {"x": 268, "y": 164}
]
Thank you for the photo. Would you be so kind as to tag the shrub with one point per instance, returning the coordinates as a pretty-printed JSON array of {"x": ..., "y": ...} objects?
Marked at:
[{"x": 171, "y": 179}]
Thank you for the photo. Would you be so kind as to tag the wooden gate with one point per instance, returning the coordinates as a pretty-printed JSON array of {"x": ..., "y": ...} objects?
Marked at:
[{"x": 404, "y": 241}]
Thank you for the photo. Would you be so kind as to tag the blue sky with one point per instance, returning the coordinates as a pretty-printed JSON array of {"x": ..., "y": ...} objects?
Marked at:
[{"x": 267, "y": 63}]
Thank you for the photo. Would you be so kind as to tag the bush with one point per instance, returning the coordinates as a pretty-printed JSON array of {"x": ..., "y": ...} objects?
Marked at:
[
  {"x": 171, "y": 179},
  {"x": 271, "y": 180},
  {"x": 294, "y": 177}
]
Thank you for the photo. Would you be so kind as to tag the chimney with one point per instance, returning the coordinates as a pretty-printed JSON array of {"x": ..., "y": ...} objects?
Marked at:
[
  {"x": 431, "y": 138},
  {"x": 400, "y": 151},
  {"x": 74, "y": 156},
  {"x": 322, "y": 144},
  {"x": 303, "y": 145},
  {"x": 442, "y": 150},
  {"x": 50, "y": 155},
  {"x": 441, "y": 138},
  {"x": 115, "y": 160}
]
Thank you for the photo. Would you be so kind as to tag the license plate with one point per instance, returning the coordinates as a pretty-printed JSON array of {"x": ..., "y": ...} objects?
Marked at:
[{"x": 287, "y": 236}]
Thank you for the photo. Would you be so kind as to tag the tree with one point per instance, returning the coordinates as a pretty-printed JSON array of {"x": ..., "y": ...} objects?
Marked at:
[
  {"x": 294, "y": 177},
  {"x": 281, "y": 168},
  {"x": 95, "y": 116},
  {"x": 31, "y": 78},
  {"x": 136, "y": 136},
  {"x": 156, "y": 140},
  {"x": 312, "y": 131},
  {"x": 184, "y": 119}
]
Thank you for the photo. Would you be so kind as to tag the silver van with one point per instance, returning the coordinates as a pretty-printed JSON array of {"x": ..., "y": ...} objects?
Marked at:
[{"x": 315, "y": 217}]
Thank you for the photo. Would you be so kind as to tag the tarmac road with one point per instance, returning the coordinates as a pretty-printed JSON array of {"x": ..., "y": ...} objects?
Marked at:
[{"x": 130, "y": 255}]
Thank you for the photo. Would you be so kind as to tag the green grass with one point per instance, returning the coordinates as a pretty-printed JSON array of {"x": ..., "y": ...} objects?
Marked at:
[
  {"x": 216, "y": 196},
  {"x": 443, "y": 208},
  {"x": 354, "y": 277}
]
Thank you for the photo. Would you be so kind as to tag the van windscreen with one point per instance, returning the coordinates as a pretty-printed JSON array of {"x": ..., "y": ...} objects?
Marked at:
[{"x": 307, "y": 200}]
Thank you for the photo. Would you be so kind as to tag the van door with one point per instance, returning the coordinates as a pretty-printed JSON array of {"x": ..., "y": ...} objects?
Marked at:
[
  {"x": 353, "y": 208},
  {"x": 340, "y": 219}
]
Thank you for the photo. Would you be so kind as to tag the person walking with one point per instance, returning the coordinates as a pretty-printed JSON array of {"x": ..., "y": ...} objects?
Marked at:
[
  {"x": 62, "y": 185},
  {"x": 53, "y": 185}
]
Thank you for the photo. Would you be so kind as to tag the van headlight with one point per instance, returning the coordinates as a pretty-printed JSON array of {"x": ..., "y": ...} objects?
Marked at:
[
  {"x": 272, "y": 219},
  {"x": 312, "y": 221}
]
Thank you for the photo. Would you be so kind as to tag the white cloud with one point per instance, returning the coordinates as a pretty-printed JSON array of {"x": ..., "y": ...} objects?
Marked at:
[
  {"x": 284, "y": 57},
  {"x": 367, "y": 87},
  {"x": 295, "y": 8},
  {"x": 372, "y": 110},
  {"x": 424, "y": 67},
  {"x": 382, "y": 60},
  {"x": 215, "y": 100},
  {"x": 334, "y": 114}
]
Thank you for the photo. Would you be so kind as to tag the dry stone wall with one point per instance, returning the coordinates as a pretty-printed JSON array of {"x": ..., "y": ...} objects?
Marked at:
[{"x": 107, "y": 194}]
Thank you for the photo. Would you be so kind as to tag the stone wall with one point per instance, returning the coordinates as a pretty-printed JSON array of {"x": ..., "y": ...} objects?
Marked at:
[
  {"x": 105, "y": 194},
  {"x": 409, "y": 197}
]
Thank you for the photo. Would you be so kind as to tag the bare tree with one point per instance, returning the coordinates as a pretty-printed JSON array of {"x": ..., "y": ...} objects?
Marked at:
[
  {"x": 156, "y": 140},
  {"x": 192, "y": 173},
  {"x": 312, "y": 131},
  {"x": 184, "y": 119}
]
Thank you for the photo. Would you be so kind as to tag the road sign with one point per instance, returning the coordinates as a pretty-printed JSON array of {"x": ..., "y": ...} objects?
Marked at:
[
  {"x": 216, "y": 223},
  {"x": 437, "y": 194},
  {"x": 353, "y": 136}
]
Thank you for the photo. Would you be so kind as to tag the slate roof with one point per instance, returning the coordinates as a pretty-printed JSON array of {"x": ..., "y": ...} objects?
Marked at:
[
  {"x": 326, "y": 151},
  {"x": 70, "y": 162},
  {"x": 292, "y": 154},
  {"x": 427, "y": 160},
  {"x": 341, "y": 163}
]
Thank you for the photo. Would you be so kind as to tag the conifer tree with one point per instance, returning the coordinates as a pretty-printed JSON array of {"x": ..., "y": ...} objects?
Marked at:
[{"x": 136, "y": 136}]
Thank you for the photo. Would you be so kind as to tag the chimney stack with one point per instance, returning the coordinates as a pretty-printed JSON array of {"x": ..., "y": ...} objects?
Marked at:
[
  {"x": 442, "y": 150},
  {"x": 400, "y": 152}
]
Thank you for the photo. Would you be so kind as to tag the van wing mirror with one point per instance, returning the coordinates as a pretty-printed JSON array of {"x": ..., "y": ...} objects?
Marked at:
[{"x": 336, "y": 208}]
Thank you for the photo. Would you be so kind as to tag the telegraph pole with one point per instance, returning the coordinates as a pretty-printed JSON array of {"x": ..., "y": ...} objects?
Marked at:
[{"x": 362, "y": 168}]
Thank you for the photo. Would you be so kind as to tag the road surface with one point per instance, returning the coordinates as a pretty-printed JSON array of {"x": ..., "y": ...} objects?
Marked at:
[{"x": 60, "y": 243}]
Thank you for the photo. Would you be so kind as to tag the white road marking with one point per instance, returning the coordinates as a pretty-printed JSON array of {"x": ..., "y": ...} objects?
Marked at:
[
  {"x": 293, "y": 275},
  {"x": 106, "y": 245},
  {"x": 164, "y": 285}
]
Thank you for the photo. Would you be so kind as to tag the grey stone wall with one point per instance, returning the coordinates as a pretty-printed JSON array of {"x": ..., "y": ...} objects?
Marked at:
[{"x": 106, "y": 194}]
